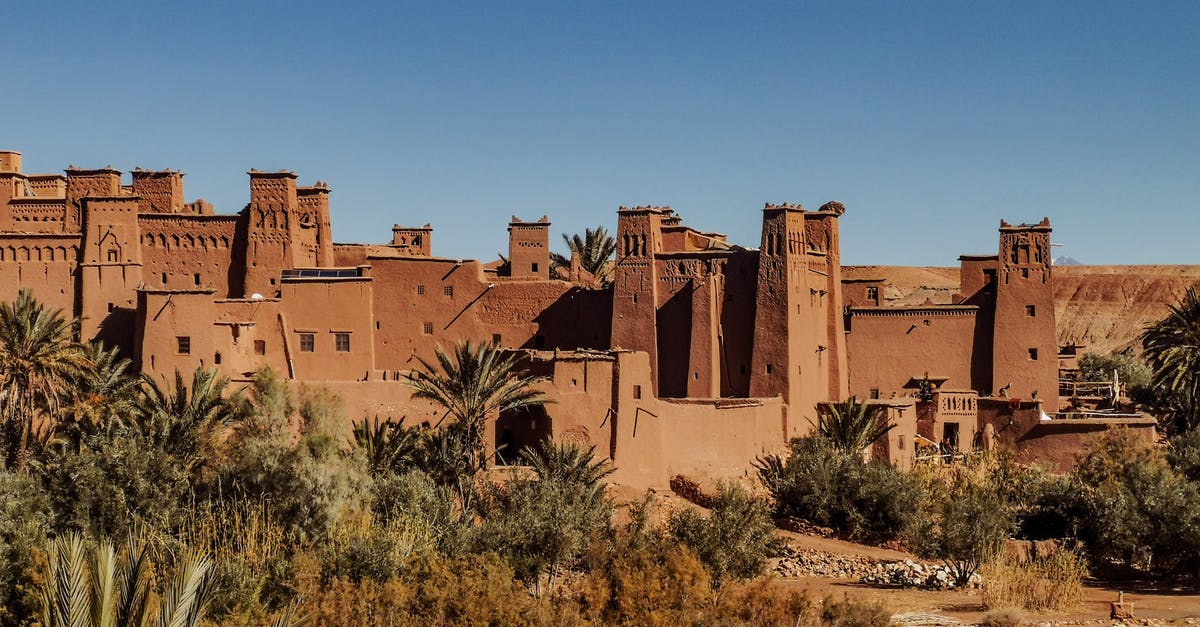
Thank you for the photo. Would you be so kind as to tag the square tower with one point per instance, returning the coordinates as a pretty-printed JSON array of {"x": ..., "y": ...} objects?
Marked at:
[
  {"x": 1025, "y": 343},
  {"x": 529, "y": 248}
]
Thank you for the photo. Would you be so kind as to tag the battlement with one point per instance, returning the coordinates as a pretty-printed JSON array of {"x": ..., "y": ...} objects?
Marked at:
[
  {"x": 1044, "y": 225},
  {"x": 786, "y": 206},
  {"x": 662, "y": 209}
]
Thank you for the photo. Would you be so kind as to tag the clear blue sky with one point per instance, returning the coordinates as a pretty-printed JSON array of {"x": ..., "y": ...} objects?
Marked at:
[{"x": 930, "y": 121}]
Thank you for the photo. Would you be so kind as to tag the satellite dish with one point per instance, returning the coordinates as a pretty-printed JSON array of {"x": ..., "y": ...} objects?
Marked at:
[{"x": 256, "y": 296}]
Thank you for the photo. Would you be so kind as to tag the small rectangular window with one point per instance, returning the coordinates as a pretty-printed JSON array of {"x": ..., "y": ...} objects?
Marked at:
[
  {"x": 770, "y": 368},
  {"x": 308, "y": 342},
  {"x": 1024, "y": 273},
  {"x": 448, "y": 290},
  {"x": 427, "y": 328},
  {"x": 900, "y": 442},
  {"x": 164, "y": 278},
  {"x": 341, "y": 342},
  {"x": 874, "y": 393},
  {"x": 183, "y": 345},
  {"x": 196, "y": 278},
  {"x": 1031, "y": 311},
  {"x": 1033, "y": 354},
  {"x": 637, "y": 391},
  {"x": 535, "y": 267},
  {"x": 496, "y": 339},
  {"x": 872, "y": 293},
  {"x": 420, "y": 290},
  {"x": 112, "y": 255},
  {"x": 260, "y": 347}
]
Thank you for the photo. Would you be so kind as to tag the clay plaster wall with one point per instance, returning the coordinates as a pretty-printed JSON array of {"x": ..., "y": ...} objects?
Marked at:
[
  {"x": 45, "y": 264},
  {"x": 188, "y": 252},
  {"x": 327, "y": 309},
  {"x": 889, "y": 346}
]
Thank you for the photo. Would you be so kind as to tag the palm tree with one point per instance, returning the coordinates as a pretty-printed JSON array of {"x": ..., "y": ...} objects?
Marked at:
[
  {"x": 476, "y": 383},
  {"x": 1172, "y": 348},
  {"x": 595, "y": 250},
  {"x": 568, "y": 463},
  {"x": 38, "y": 358},
  {"x": 104, "y": 393},
  {"x": 181, "y": 420},
  {"x": 852, "y": 426},
  {"x": 101, "y": 589},
  {"x": 389, "y": 446}
]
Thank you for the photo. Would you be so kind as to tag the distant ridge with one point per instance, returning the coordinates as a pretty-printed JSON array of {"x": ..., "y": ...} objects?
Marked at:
[{"x": 1066, "y": 261}]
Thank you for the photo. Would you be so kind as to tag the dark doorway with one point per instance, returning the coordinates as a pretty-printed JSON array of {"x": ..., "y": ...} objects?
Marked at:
[{"x": 518, "y": 429}]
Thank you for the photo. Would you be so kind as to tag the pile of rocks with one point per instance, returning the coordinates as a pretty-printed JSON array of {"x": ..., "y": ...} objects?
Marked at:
[
  {"x": 912, "y": 574},
  {"x": 811, "y": 563}
]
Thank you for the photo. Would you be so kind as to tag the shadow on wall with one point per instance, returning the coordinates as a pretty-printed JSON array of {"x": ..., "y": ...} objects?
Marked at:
[
  {"x": 674, "y": 338},
  {"x": 118, "y": 329},
  {"x": 580, "y": 318}
]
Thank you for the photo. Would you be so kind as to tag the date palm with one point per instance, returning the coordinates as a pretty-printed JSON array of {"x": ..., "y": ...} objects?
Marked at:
[
  {"x": 38, "y": 359},
  {"x": 1172, "y": 348},
  {"x": 852, "y": 426},
  {"x": 103, "y": 394},
  {"x": 180, "y": 419},
  {"x": 595, "y": 250},
  {"x": 99, "y": 588},
  {"x": 474, "y": 383}
]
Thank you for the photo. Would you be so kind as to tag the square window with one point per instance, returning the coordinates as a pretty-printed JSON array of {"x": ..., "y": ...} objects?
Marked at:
[
  {"x": 420, "y": 290},
  {"x": 427, "y": 328},
  {"x": 183, "y": 345},
  {"x": 496, "y": 339},
  {"x": 341, "y": 342},
  {"x": 308, "y": 342},
  {"x": 1031, "y": 311},
  {"x": 260, "y": 347},
  {"x": 448, "y": 290},
  {"x": 1033, "y": 354},
  {"x": 112, "y": 255},
  {"x": 1024, "y": 273},
  {"x": 874, "y": 393}
]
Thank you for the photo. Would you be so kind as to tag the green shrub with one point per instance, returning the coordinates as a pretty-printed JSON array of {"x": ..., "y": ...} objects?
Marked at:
[
  {"x": 866, "y": 501},
  {"x": 24, "y": 522},
  {"x": 735, "y": 539},
  {"x": 542, "y": 525},
  {"x": 116, "y": 479},
  {"x": 966, "y": 526}
]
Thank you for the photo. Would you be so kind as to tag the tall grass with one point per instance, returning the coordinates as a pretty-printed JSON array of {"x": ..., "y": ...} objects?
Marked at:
[{"x": 1049, "y": 582}]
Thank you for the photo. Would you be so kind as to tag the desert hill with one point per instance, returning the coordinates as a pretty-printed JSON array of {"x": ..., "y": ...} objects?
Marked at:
[{"x": 1101, "y": 307}]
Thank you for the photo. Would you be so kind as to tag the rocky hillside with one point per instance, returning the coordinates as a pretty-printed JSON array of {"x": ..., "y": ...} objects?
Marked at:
[{"x": 1101, "y": 307}]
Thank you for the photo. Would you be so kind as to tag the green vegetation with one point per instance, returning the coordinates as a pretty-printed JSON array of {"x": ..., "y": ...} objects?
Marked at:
[
  {"x": 595, "y": 250},
  {"x": 260, "y": 506},
  {"x": 851, "y": 426}
]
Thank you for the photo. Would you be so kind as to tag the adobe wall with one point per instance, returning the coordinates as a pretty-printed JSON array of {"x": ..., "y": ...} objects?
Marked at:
[
  {"x": 1057, "y": 444},
  {"x": 45, "y": 264},
  {"x": 164, "y": 319},
  {"x": 326, "y": 309},
  {"x": 889, "y": 346},
  {"x": 423, "y": 302},
  {"x": 188, "y": 252}
]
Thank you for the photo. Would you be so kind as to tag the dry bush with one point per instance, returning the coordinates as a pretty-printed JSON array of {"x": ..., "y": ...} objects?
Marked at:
[
  {"x": 851, "y": 612},
  {"x": 762, "y": 602},
  {"x": 1006, "y": 617},
  {"x": 1049, "y": 582}
]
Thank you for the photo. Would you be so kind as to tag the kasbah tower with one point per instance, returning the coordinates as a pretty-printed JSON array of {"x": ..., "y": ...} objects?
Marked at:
[{"x": 699, "y": 356}]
